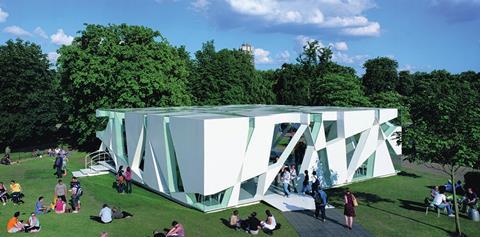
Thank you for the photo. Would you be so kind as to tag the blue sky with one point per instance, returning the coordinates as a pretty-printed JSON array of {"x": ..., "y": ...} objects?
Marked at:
[{"x": 422, "y": 35}]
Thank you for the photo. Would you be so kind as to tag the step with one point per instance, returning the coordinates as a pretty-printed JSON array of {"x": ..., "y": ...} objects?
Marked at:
[
  {"x": 107, "y": 165},
  {"x": 99, "y": 168},
  {"x": 87, "y": 171},
  {"x": 78, "y": 174}
]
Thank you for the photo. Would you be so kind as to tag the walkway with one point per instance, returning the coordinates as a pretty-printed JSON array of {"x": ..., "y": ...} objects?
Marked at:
[{"x": 307, "y": 226}]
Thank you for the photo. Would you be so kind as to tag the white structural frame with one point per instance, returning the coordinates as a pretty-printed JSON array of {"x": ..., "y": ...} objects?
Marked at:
[{"x": 213, "y": 158}]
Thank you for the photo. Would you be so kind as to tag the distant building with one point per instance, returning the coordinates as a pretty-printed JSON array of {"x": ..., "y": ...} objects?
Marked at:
[{"x": 246, "y": 48}]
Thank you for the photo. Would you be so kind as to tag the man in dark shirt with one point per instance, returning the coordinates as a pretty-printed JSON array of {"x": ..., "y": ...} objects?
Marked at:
[
  {"x": 253, "y": 224},
  {"x": 470, "y": 198}
]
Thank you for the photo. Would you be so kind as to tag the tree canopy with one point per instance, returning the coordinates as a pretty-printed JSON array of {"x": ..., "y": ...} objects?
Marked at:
[
  {"x": 119, "y": 66},
  {"x": 28, "y": 98},
  {"x": 380, "y": 75}
]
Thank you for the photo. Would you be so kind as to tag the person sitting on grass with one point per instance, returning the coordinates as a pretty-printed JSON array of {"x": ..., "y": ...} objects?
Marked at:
[
  {"x": 40, "y": 208},
  {"x": 60, "y": 206},
  {"x": 270, "y": 223},
  {"x": 176, "y": 230},
  {"x": 33, "y": 224},
  {"x": 3, "y": 194},
  {"x": 14, "y": 225},
  {"x": 235, "y": 221},
  {"x": 6, "y": 160},
  {"x": 17, "y": 194},
  {"x": 117, "y": 214},
  {"x": 105, "y": 215},
  {"x": 253, "y": 224}
]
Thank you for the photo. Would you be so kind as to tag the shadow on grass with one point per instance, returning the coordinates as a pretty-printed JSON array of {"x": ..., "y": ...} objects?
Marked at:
[
  {"x": 412, "y": 205},
  {"x": 450, "y": 233},
  {"x": 362, "y": 197},
  {"x": 407, "y": 174}
]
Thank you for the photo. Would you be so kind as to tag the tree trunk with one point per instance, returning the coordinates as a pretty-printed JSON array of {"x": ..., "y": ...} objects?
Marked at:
[{"x": 455, "y": 203}]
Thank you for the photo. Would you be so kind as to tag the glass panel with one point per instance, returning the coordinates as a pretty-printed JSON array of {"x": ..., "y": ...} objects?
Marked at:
[
  {"x": 330, "y": 130},
  {"x": 366, "y": 169},
  {"x": 323, "y": 170},
  {"x": 282, "y": 134},
  {"x": 248, "y": 188}
]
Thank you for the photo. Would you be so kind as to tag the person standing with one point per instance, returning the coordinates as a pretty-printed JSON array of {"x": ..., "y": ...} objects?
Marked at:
[
  {"x": 58, "y": 166},
  {"x": 128, "y": 180},
  {"x": 293, "y": 177},
  {"x": 315, "y": 182},
  {"x": 77, "y": 192},
  {"x": 320, "y": 198},
  {"x": 306, "y": 183},
  {"x": 286, "y": 181},
  {"x": 349, "y": 208},
  {"x": 7, "y": 151},
  {"x": 61, "y": 190}
]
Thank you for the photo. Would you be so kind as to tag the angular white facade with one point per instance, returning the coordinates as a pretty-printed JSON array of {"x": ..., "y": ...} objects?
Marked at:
[{"x": 217, "y": 157}]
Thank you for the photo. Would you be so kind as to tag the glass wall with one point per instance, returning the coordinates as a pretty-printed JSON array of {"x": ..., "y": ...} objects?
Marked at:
[
  {"x": 209, "y": 202},
  {"x": 330, "y": 130}
]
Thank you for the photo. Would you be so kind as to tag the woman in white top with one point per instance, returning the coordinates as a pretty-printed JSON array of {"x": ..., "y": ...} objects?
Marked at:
[{"x": 270, "y": 223}]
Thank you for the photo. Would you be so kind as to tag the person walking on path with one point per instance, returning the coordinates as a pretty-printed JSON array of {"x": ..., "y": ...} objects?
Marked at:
[
  {"x": 320, "y": 198},
  {"x": 349, "y": 208},
  {"x": 306, "y": 183},
  {"x": 286, "y": 181},
  {"x": 128, "y": 180}
]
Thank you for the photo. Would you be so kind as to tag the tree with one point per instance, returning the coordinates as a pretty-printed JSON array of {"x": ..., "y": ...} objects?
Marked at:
[
  {"x": 380, "y": 75},
  {"x": 119, "y": 66},
  {"x": 392, "y": 99},
  {"x": 446, "y": 126},
  {"x": 338, "y": 90},
  {"x": 28, "y": 99},
  {"x": 406, "y": 83},
  {"x": 226, "y": 77}
]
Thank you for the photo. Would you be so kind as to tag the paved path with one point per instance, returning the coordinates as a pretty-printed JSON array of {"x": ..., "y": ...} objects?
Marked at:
[{"x": 307, "y": 226}]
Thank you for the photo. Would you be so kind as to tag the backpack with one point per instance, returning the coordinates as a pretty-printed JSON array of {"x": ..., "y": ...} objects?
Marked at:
[
  {"x": 79, "y": 192},
  {"x": 58, "y": 162},
  {"x": 318, "y": 198}
]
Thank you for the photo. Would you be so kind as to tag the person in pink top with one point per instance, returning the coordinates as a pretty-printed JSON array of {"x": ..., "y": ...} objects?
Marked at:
[
  {"x": 176, "y": 231},
  {"x": 60, "y": 206},
  {"x": 128, "y": 179}
]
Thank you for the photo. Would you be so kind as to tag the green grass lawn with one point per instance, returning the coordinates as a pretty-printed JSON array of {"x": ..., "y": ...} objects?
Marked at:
[
  {"x": 151, "y": 211},
  {"x": 390, "y": 206},
  {"x": 394, "y": 206}
]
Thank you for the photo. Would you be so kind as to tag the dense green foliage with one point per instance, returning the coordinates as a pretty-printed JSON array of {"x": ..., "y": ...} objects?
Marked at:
[
  {"x": 446, "y": 124},
  {"x": 380, "y": 75},
  {"x": 227, "y": 77},
  {"x": 119, "y": 66},
  {"x": 338, "y": 90},
  {"x": 28, "y": 95}
]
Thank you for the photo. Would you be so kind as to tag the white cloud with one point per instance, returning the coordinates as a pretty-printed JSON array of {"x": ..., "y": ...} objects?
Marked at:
[
  {"x": 17, "y": 31},
  {"x": 372, "y": 29},
  {"x": 52, "y": 57},
  {"x": 340, "y": 46},
  {"x": 60, "y": 38},
  {"x": 40, "y": 32},
  {"x": 346, "y": 15},
  {"x": 283, "y": 57},
  {"x": 262, "y": 56},
  {"x": 3, "y": 15},
  {"x": 344, "y": 58},
  {"x": 302, "y": 40},
  {"x": 200, "y": 5}
]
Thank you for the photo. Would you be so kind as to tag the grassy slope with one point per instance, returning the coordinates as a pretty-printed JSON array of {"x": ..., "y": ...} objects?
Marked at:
[
  {"x": 150, "y": 210},
  {"x": 394, "y": 206}
]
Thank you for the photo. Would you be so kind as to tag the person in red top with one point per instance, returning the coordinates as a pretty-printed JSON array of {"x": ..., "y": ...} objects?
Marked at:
[{"x": 128, "y": 180}]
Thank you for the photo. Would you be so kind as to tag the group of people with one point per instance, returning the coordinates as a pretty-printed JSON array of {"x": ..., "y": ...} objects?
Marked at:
[
  {"x": 288, "y": 178},
  {"x": 59, "y": 205},
  {"x": 14, "y": 225},
  {"x": 440, "y": 200},
  {"x": 15, "y": 193},
  {"x": 107, "y": 214},
  {"x": 252, "y": 224},
  {"x": 123, "y": 182}
]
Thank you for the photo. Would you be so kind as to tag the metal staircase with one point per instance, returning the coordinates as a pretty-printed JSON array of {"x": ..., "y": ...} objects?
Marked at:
[{"x": 96, "y": 163}]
